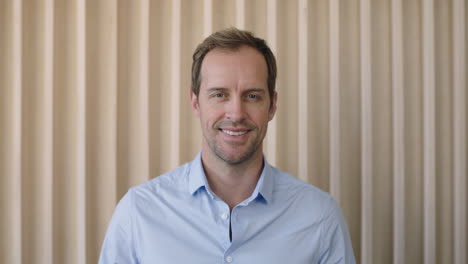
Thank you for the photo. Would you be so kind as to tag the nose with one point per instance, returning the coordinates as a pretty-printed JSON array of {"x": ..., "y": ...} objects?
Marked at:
[{"x": 235, "y": 110}]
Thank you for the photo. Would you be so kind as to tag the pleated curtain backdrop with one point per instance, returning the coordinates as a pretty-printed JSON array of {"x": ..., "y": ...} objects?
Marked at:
[{"x": 372, "y": 108}]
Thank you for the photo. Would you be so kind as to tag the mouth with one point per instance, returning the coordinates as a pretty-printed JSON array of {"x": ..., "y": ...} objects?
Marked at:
[{"x": 234, "y": 132}]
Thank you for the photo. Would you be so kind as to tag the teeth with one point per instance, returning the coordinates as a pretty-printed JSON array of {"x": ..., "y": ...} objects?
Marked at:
[{"x": 232, "y": 133}]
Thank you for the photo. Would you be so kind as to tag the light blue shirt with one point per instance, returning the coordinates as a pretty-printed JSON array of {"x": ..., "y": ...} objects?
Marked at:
[{"x": 176, "y": 218}]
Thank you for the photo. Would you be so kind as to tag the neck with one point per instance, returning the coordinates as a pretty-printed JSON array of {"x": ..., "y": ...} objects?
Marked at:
[{"x": 232, "y": 183}]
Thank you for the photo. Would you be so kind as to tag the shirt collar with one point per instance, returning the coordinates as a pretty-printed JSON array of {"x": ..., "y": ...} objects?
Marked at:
[
  {"x": 196, "y": 176},
  {"x": 197, "y": 179}
]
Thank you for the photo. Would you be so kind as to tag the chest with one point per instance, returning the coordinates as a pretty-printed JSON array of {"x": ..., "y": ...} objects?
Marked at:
[{"x": 200, "y": 234}]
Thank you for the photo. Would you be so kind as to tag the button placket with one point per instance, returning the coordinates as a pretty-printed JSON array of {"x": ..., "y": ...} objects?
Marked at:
[{"x": 223, "y": 221}]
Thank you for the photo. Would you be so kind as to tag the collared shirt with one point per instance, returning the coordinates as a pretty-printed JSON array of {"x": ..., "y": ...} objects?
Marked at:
[{"x": 176, "y": 218}]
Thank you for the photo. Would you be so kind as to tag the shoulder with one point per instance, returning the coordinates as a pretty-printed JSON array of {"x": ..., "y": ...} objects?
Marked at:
[
  {"x": 287, "y": 186},
  {"x": 154, "y": 192},
  {"x": 305, "y": 201},
  {"x": 174, "y": 180}
]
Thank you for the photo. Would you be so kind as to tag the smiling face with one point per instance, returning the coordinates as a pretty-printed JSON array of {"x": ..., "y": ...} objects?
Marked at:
[{"x": 233, "y": 104}]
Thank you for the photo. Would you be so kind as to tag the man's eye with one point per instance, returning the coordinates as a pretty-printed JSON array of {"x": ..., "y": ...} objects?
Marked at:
[
  {"x": 219, "y": 95},
  {"x": 252, "y": 96}
]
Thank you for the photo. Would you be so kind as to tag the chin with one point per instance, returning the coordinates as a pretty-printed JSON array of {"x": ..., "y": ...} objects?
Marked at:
[
  {"x": 235, "y": 157},
  {"x": 233, "y": 160}
]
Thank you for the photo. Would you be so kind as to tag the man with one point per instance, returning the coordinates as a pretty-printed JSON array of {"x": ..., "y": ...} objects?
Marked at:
[{"x": 229, "y": 205}]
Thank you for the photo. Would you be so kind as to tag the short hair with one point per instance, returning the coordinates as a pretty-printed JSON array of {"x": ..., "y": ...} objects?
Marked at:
[{"x": 232, "y": 39}]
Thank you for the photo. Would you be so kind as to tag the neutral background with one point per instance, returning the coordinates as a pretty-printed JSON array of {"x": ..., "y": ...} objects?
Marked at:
[{"x": 372, "y": 108}]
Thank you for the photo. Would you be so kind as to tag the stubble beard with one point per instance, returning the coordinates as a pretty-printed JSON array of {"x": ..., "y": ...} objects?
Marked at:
[{"x": 234, "y": 159}]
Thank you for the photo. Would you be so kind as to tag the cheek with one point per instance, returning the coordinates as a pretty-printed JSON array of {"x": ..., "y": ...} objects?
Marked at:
[
  {"x": 258, "y": 122},
  {"x": 212, "y": 112},
  {"x": 259, "y": 115},
  {"x": 208, "y": 118}
]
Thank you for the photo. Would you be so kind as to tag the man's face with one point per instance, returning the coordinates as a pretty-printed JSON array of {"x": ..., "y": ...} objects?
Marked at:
[{"x": 233, "y": 104}]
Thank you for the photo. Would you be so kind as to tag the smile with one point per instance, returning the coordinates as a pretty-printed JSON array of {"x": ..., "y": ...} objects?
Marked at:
[{"x": 234, "y": 133}]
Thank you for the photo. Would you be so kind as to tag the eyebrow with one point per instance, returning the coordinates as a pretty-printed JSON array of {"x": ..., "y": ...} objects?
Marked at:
[
  {"x": 220, "y": 89},
  {"x": 258, "y": 90},
  {"x": 216, "y": 89}
]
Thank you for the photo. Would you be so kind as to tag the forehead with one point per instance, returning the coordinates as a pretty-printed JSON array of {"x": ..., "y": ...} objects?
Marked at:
[{"x": 244, "y": 65}]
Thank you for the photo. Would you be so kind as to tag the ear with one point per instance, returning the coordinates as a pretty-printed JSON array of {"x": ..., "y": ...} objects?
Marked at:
[
  {"x": 272, "y": 111},
  {"x": 194, "y": 103}
]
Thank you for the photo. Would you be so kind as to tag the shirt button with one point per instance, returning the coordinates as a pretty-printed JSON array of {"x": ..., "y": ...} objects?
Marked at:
[
  {"x": 224, "y": 216},
  {"x": 229, "y": 259}
]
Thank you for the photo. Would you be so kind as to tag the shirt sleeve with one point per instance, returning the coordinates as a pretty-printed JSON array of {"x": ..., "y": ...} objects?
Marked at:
[
  {"x": 335, "y": 241},
  {"x": 118, "y": 245}
]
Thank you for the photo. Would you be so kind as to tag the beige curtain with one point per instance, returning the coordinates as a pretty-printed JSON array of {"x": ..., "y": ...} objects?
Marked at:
[{"x": 372, "y": 108}]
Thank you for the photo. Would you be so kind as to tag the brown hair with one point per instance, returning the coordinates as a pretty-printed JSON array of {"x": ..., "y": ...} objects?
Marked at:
[{"x": 232, "y": 39}]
